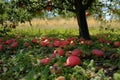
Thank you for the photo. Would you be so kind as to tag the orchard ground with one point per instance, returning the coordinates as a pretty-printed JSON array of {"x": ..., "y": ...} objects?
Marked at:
[{"x": 51, "y": 50}]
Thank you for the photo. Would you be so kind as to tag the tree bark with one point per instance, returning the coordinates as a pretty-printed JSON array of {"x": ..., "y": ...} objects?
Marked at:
[{"x": 81, "y": 18}]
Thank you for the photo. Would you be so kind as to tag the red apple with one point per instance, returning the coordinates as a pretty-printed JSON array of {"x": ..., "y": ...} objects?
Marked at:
[
  {"x": 1, "y": 40},
  {"x": 59, "y": 51},
  {"x": 43, "y": 38},
  {"x": 53, "y": 55},
  {"x": 107, "y": 42},
  {"x": 34, "y": 41},
  {"x": 72, "y": 43},
  {"x": 87, "y": 14},
  {"x": 45, "y": 61},
  {"x": 69, "y": 39},
  {"x": 82, "y": 40},
  {"x": 14, "y": 45},
  {"x": 57, "y": 43},
  {"x": 8, "y": 42},
  {"x": 100, "y": 39},
  {"x": 45, "y": 42},
  {"x": 88, "y": 42},
  {"x": 116, "y": 44},
  {"x": 98, "y": 53},
  {"x": 64, "y": 42},
  {"x": 73, "y": 61},
  {"x": 42, "y": 43},
  {"x": 76, "y": 52}
]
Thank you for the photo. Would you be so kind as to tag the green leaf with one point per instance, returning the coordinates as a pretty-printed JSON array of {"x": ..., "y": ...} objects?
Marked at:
[{"x": 116, "y": 76}]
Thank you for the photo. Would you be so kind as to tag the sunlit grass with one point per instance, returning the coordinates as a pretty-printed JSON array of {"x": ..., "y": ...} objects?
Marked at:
[{"x": 69, "y": 26}]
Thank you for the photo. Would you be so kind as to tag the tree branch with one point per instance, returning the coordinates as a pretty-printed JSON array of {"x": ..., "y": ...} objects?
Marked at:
[{"x": 61, "y": 8}]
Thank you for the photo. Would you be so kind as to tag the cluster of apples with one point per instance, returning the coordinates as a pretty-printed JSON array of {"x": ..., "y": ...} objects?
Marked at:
[
  {"x": 56, "y": 42},
  {"x": 53, "y": 42},
  {"x": 9, "y": 44},
  {"x": 115, "y": 44},
  {"x": 72, "y": 60},
  {"x": 72, "y": 57}
]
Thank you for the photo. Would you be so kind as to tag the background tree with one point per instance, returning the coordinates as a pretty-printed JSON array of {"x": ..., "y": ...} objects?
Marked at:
[{"x": 25, "y": 10}]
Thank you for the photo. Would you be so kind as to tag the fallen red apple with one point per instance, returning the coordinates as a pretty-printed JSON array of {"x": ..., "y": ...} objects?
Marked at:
[
  {"x": 8, "y": 42},
  {"x": 14, "y": 40},
  {"x": 59, "y": 51},
  {"x": 64, "y": 43},
  {"x": 88, "y": 42},
  {"x": 69, "y": 39},
  {"x": 14, "y": 45},
  {"x": 98, "y": 53},
  {"x": 116, "y": 44},
  {"x": 1, "y": 40},
  {"x": 73, "y": 61},
  {"x": 34, "y": 41},
  {"x": 108, "y": 42},
  {"x": 45, "y": 61},
  {"x": 45, "y": 42},
  {"x": 100, "y": 39},
  {"x": 76, "y": 52},
  {"x": 53, "y": 55},
  {"x": 57, "y": 43}
]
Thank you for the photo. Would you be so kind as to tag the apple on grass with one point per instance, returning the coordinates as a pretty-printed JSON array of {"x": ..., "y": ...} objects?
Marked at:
[
  {"x": 45, "y": 61},
  {"x": 116, "y": 44},
  {"x": 76, "y": 52},
  {"x": 34, "y": 41},
  {"x": 1, "y": 40},
  {"x": 98, "y": 52},
  {"x": 58, "y": 51},
  {"x": 8, "y": 42},
  {"x": 14, "y": 45},
  {"x": 73, "y": 61}
]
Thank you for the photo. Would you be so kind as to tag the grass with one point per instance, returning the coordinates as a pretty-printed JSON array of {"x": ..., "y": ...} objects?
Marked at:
[
  {"x": 59, "y": 25},
  {"x": 66, "y": 23}
]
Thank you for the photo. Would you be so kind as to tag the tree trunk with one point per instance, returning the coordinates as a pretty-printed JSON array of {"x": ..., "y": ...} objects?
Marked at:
[{"x": 82, "y": 22}]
